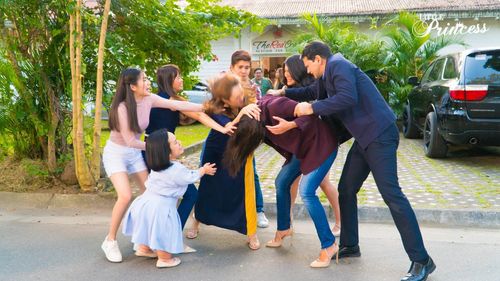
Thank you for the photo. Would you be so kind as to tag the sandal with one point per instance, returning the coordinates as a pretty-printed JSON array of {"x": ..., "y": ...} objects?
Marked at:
[
  {"x": 168, "y": 263},
  {"x": 336, "y": 232},
  {"x": 253, "y": 242},
  {"x": 192, "y": 233}
]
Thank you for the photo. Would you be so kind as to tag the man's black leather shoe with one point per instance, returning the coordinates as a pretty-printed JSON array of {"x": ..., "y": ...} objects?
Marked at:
[
  {"x": 349, "y": 252},
  {"x": 419, "y": 271}
]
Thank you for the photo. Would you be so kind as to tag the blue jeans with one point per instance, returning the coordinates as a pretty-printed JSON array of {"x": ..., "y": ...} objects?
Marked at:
[
  {"x": 283, "y": 183},
  {"x": 307, "y": 187},
  {"x": 187, "y": 203},
  {"x": 259, "y": 199}
]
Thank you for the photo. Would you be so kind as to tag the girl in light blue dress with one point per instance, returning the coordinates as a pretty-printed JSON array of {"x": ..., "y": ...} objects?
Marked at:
[{"x": 152, "y": 219}]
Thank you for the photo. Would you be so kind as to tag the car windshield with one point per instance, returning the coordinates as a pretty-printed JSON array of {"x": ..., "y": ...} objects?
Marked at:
[{"x": 483, "y": 68}]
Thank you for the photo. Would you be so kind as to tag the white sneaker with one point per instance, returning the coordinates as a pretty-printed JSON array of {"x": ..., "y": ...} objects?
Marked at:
[
  {"x": 262, "y": 221},
  {"x": 111, "y": 249}
]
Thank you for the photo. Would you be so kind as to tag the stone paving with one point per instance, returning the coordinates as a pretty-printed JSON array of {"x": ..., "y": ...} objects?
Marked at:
[{"x": 467, "y": 179}]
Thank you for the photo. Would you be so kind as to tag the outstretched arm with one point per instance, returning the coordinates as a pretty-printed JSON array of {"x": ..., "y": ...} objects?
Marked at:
[
  {"x": 176, "y": 105},
  {"x": 282, "y": 110},
  {"x": 206, "y": 120},
  {"x": 298, "y": 94}
]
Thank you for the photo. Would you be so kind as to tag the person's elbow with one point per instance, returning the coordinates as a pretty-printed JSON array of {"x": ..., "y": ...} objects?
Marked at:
[{"x": 351, "y": 99}]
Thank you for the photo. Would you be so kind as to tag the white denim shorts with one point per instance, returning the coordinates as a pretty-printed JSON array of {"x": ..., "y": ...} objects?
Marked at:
[{"x": 118, "y": 158}]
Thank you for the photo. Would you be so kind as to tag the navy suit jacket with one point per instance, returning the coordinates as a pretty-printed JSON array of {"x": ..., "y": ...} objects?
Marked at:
[{"x": 348, "y": 94}]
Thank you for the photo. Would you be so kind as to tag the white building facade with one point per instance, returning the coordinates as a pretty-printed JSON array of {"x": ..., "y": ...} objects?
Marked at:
[{"x": 477, "y": 23}]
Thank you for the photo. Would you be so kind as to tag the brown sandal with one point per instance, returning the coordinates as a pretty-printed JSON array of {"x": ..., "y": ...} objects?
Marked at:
[
  {"x": 253, "y": 242},
  {"x": 192, "y": 233}
]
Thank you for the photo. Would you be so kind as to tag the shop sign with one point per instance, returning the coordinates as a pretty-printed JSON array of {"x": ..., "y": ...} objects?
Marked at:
[{"x": 271, "y": 46}]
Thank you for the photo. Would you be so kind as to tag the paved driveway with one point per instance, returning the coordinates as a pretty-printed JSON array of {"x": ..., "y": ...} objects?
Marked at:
[{"x": 467, "y": 179}]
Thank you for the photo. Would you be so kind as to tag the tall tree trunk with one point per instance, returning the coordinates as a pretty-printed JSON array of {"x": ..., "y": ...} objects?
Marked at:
[
  {"x": 96, "y": 149},
  {"x": 53, "y": 118},
  {"x": 85, "y": 179},
  {"x": 73, "y": 82}
]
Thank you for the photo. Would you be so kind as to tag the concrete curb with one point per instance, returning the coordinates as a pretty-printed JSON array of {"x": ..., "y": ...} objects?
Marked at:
[
  {"x": 447, "y": 217},
  {"x": 193, "y": 148}
]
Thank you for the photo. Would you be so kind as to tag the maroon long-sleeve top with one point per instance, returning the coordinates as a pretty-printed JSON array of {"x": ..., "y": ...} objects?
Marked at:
[{"x": 311, "y": 142}]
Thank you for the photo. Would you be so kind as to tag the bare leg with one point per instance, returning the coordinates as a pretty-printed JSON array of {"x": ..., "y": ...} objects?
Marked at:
[
  {"x": 122, "y": 186},
  {"x": 193, "y": 231},
  {"x": 140, "y": 178},
  {"x": 333, "y": 197},
  {"x": 164, "y": 256},
  {"x": 145, "y": 249},
  {"x": 294, "y": 191}
]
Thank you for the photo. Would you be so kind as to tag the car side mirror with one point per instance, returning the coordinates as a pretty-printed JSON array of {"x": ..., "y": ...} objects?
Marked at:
[{"x": 413, "y": 80}]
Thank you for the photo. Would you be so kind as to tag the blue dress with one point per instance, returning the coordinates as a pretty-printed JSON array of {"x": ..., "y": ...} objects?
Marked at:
[
  {"x": 225, "y": 201},
  {"x": 152, "y": 218},
  {"x": 163, "y": 118}
]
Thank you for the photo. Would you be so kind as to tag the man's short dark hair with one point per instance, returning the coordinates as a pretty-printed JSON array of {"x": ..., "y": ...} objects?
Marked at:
[
  {"x": 316, "y": 48},
  {"x": 240, "y": 55},
  {"x": 257, "y": 69}
]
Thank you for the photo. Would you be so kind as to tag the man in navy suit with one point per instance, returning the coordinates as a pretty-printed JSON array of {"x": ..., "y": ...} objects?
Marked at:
[{"x": 346, "y": 93}]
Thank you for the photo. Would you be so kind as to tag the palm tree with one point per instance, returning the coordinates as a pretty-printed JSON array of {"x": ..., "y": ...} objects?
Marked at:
[
  {"x": 367, "y": 53},
  {"x": 410, "y": 49}
]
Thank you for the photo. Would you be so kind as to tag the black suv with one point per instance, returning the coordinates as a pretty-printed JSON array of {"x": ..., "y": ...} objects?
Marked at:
[{"x": 456, "y": 102}]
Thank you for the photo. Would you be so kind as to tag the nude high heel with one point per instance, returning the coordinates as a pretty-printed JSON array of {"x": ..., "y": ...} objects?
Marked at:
[
  {"x": 324, "y": 258},
  {"x": 276, "y": 243}
]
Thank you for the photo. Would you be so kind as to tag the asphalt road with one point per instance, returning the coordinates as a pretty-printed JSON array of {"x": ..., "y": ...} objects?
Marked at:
[{"x": 65, "y": 245}]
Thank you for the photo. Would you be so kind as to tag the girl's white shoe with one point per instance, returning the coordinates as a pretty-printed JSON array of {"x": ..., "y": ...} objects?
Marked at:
[
  {"x": 111, "y": 249},
  {"x": 188, "y": 249},
  {"x": 170, "y": 263}
]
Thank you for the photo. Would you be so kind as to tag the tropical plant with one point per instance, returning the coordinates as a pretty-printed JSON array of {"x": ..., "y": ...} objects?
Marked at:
[
  {"x": 410, "y": 49},
  {"x": 50, "y": 57},
  {"x": 34, "y": 95},
  {"x": 364, "y": 51}
]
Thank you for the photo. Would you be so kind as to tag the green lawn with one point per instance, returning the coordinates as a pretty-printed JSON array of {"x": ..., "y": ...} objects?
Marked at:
[{"x": 188, "y": 135}]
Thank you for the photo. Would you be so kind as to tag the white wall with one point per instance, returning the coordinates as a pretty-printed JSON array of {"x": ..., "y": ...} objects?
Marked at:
[
  {"x": 222, "y": 49},
  {"x": 225, "y": 47}
]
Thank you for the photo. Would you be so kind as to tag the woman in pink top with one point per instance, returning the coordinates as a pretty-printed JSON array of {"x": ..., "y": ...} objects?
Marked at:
[{"x": 128, "y": 118}]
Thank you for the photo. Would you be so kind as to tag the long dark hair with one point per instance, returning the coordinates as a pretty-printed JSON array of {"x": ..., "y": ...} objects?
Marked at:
[
  {"x": 245, "y": 140},
  {"x": 165, "y": 77},
  {"x": 298, "y": 71},
  {"x": 158, "y": 150},
  {"x": 124, "y": 93}
]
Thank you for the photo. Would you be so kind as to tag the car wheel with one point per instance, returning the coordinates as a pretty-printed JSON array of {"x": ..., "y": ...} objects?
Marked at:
[
  {"x": 434, "y": 144},
  {"x": 410, "y": 131}
]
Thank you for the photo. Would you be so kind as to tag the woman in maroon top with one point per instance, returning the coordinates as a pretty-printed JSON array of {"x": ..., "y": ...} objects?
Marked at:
[
  {"x": 309, "y": 148},
  {"x": 296, "y": 76}
]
